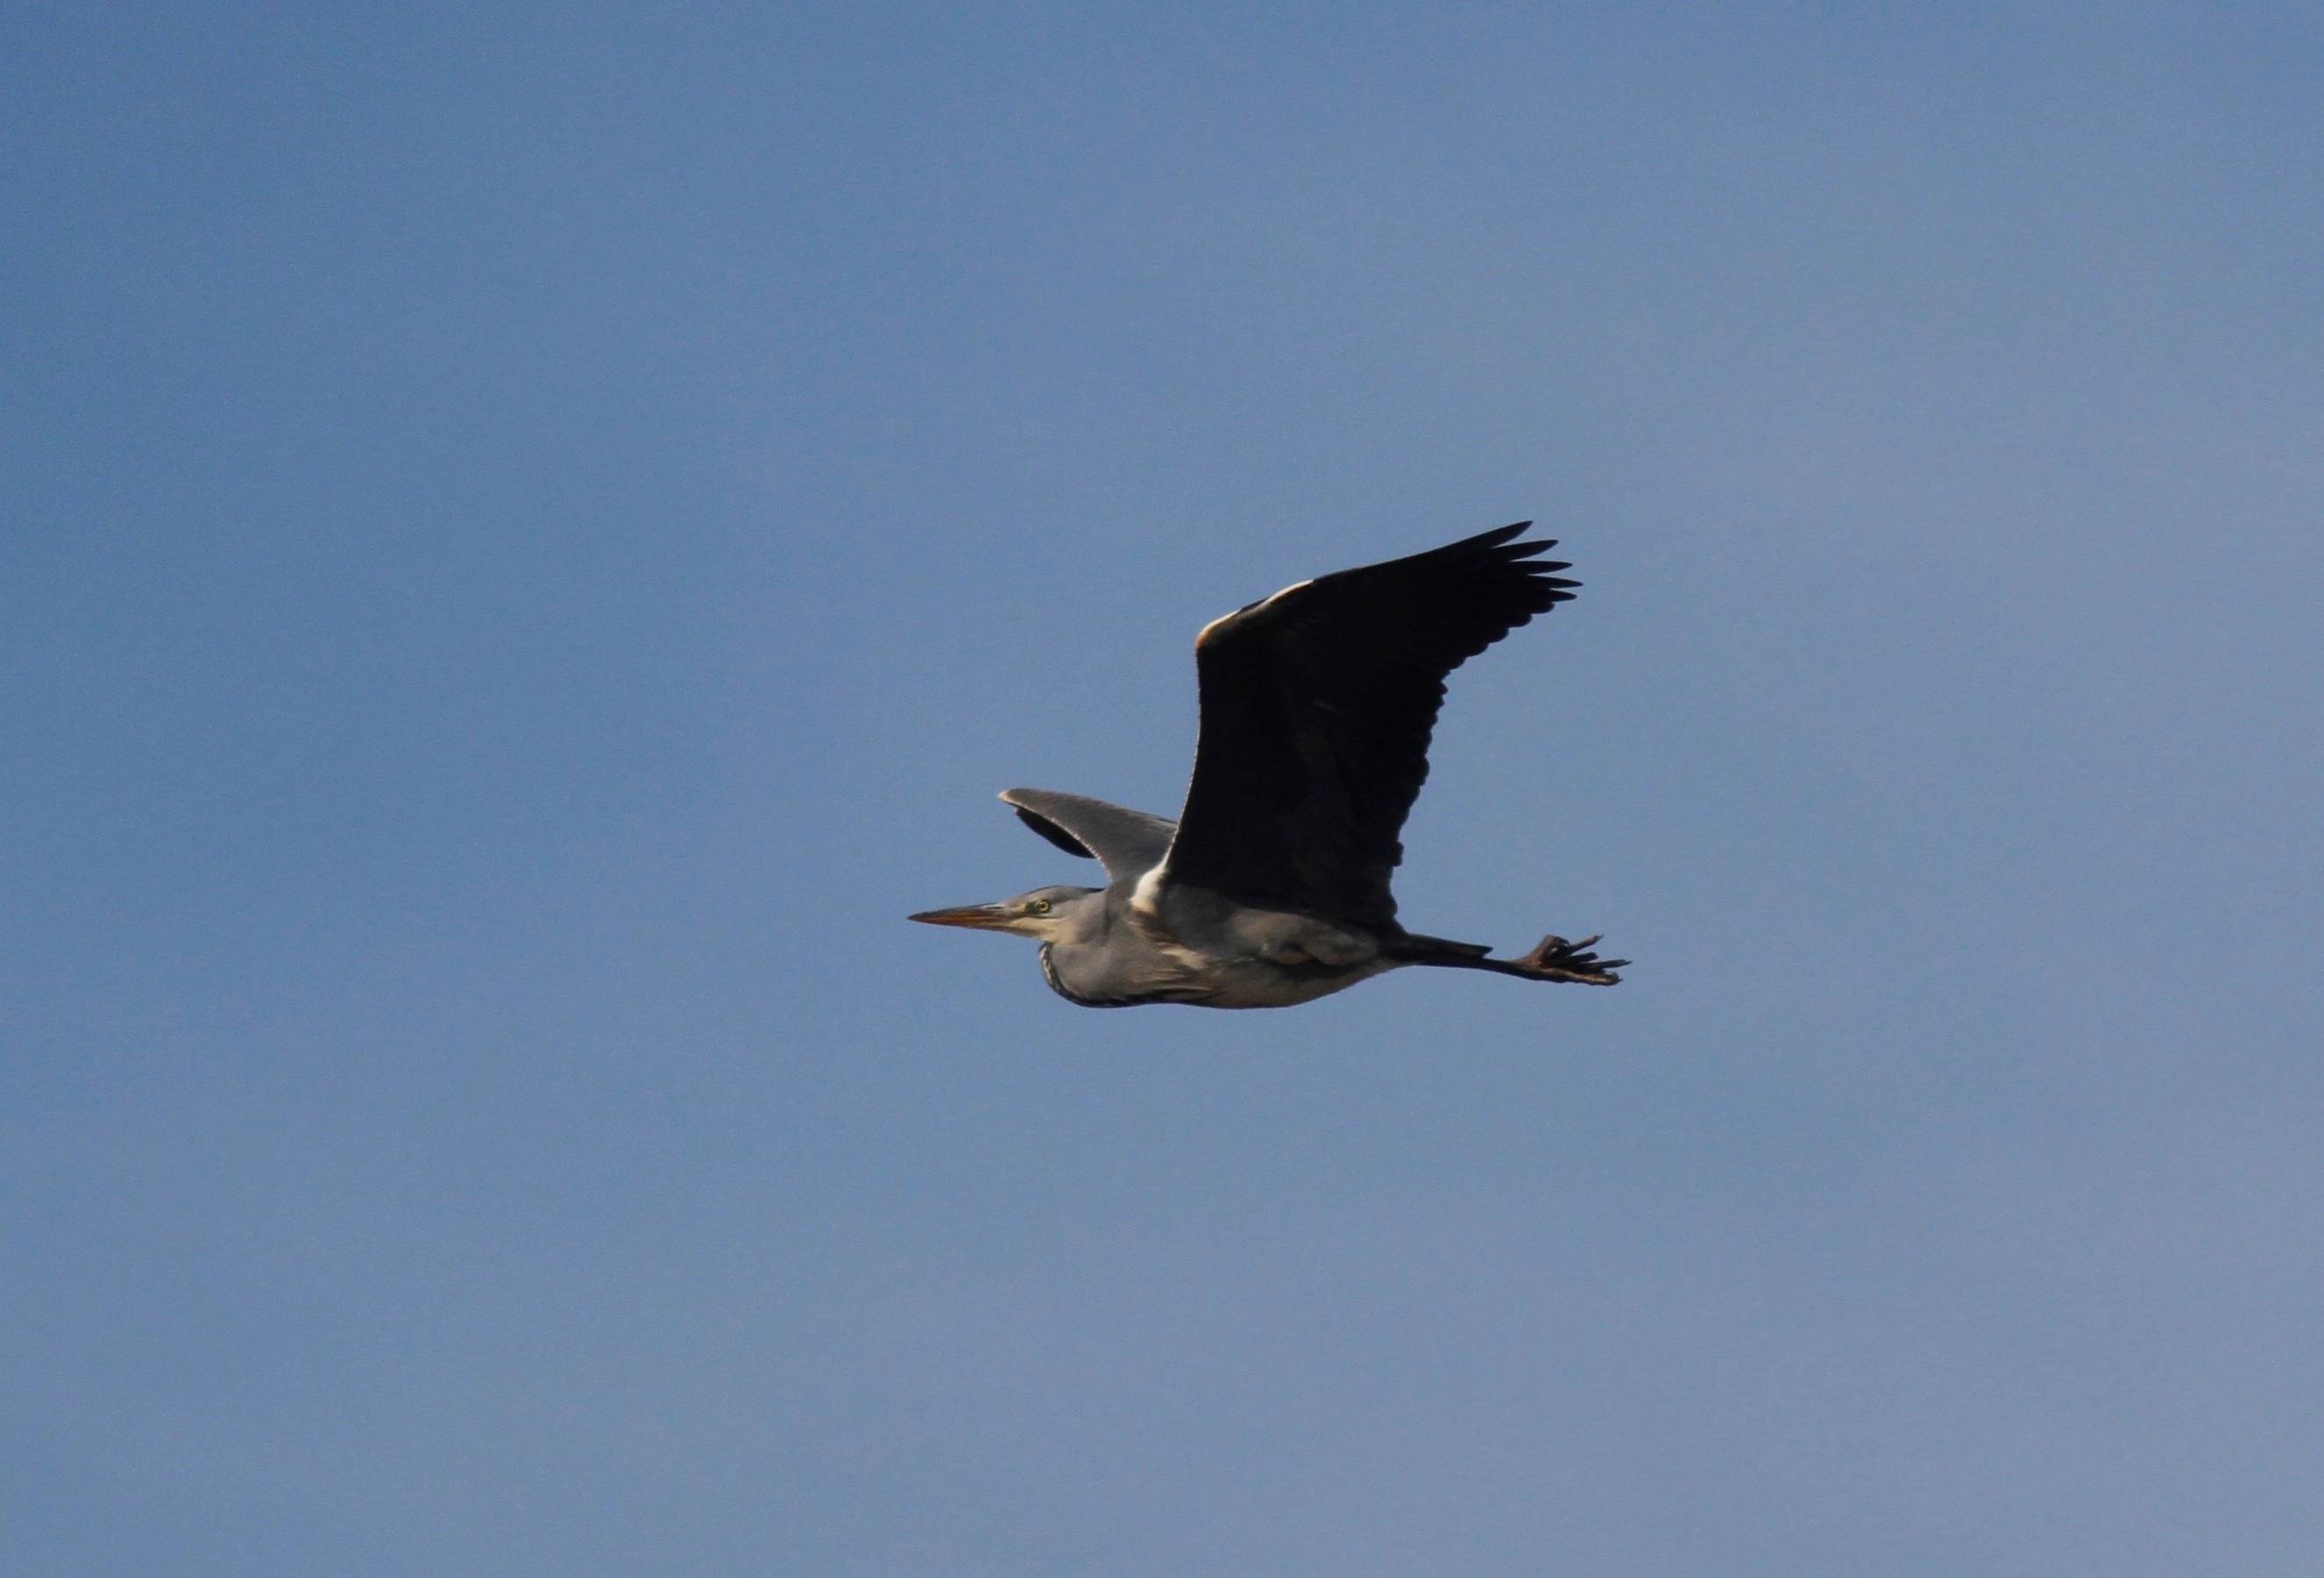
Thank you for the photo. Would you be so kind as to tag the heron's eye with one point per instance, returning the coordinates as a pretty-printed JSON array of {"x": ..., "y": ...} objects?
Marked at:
[{"x": 1038, "y": 906}]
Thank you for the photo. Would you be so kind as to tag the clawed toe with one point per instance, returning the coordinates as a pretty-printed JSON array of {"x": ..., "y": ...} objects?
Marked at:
[{"x": 1556, "y": 959}]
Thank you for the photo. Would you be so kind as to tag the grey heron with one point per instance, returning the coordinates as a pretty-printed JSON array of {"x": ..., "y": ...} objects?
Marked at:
[{"x": 1272, "y": 886}]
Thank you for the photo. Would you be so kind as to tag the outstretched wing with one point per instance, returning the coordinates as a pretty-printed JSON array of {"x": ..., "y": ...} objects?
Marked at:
[
  {"x": 1317, "y": 708},
  {"x": 1128, "y": 844}
]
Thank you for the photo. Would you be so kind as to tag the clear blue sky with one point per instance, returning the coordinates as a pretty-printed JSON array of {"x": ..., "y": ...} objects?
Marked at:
[{"x": 533, "y": 533}]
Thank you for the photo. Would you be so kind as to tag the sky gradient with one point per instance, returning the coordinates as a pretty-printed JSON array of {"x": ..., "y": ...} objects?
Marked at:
[{"x": 529, "y": 537}]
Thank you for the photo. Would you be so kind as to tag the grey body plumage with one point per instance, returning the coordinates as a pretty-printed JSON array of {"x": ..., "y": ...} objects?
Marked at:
[{"x": 1272, "y": 887}]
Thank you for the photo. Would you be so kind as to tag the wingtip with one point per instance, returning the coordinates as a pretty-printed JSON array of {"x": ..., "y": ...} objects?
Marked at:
[{"x": 1502, "y": 544}]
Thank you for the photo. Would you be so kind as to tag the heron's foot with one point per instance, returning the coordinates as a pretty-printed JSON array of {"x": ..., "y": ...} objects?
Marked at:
[{"x": 1556, "y": 959}]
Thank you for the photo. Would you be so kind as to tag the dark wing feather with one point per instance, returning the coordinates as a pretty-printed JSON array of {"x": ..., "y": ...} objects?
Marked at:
[
  {"x": 1317, "y": 708},
  {"x": 1054, "y": 834}
]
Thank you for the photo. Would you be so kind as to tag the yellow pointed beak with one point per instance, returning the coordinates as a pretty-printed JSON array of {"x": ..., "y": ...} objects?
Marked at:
[{"x": 981, "y": 916}]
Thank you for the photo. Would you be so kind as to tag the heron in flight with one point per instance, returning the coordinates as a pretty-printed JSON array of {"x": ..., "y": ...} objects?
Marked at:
[{"x": 1272, "y": 886}]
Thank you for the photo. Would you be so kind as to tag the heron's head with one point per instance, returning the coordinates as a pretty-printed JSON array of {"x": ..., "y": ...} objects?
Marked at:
[{"x": 1048, "y": 914}]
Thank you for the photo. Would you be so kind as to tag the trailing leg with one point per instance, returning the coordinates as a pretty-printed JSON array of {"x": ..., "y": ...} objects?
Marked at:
[{"x": 1552, "y": 959}]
